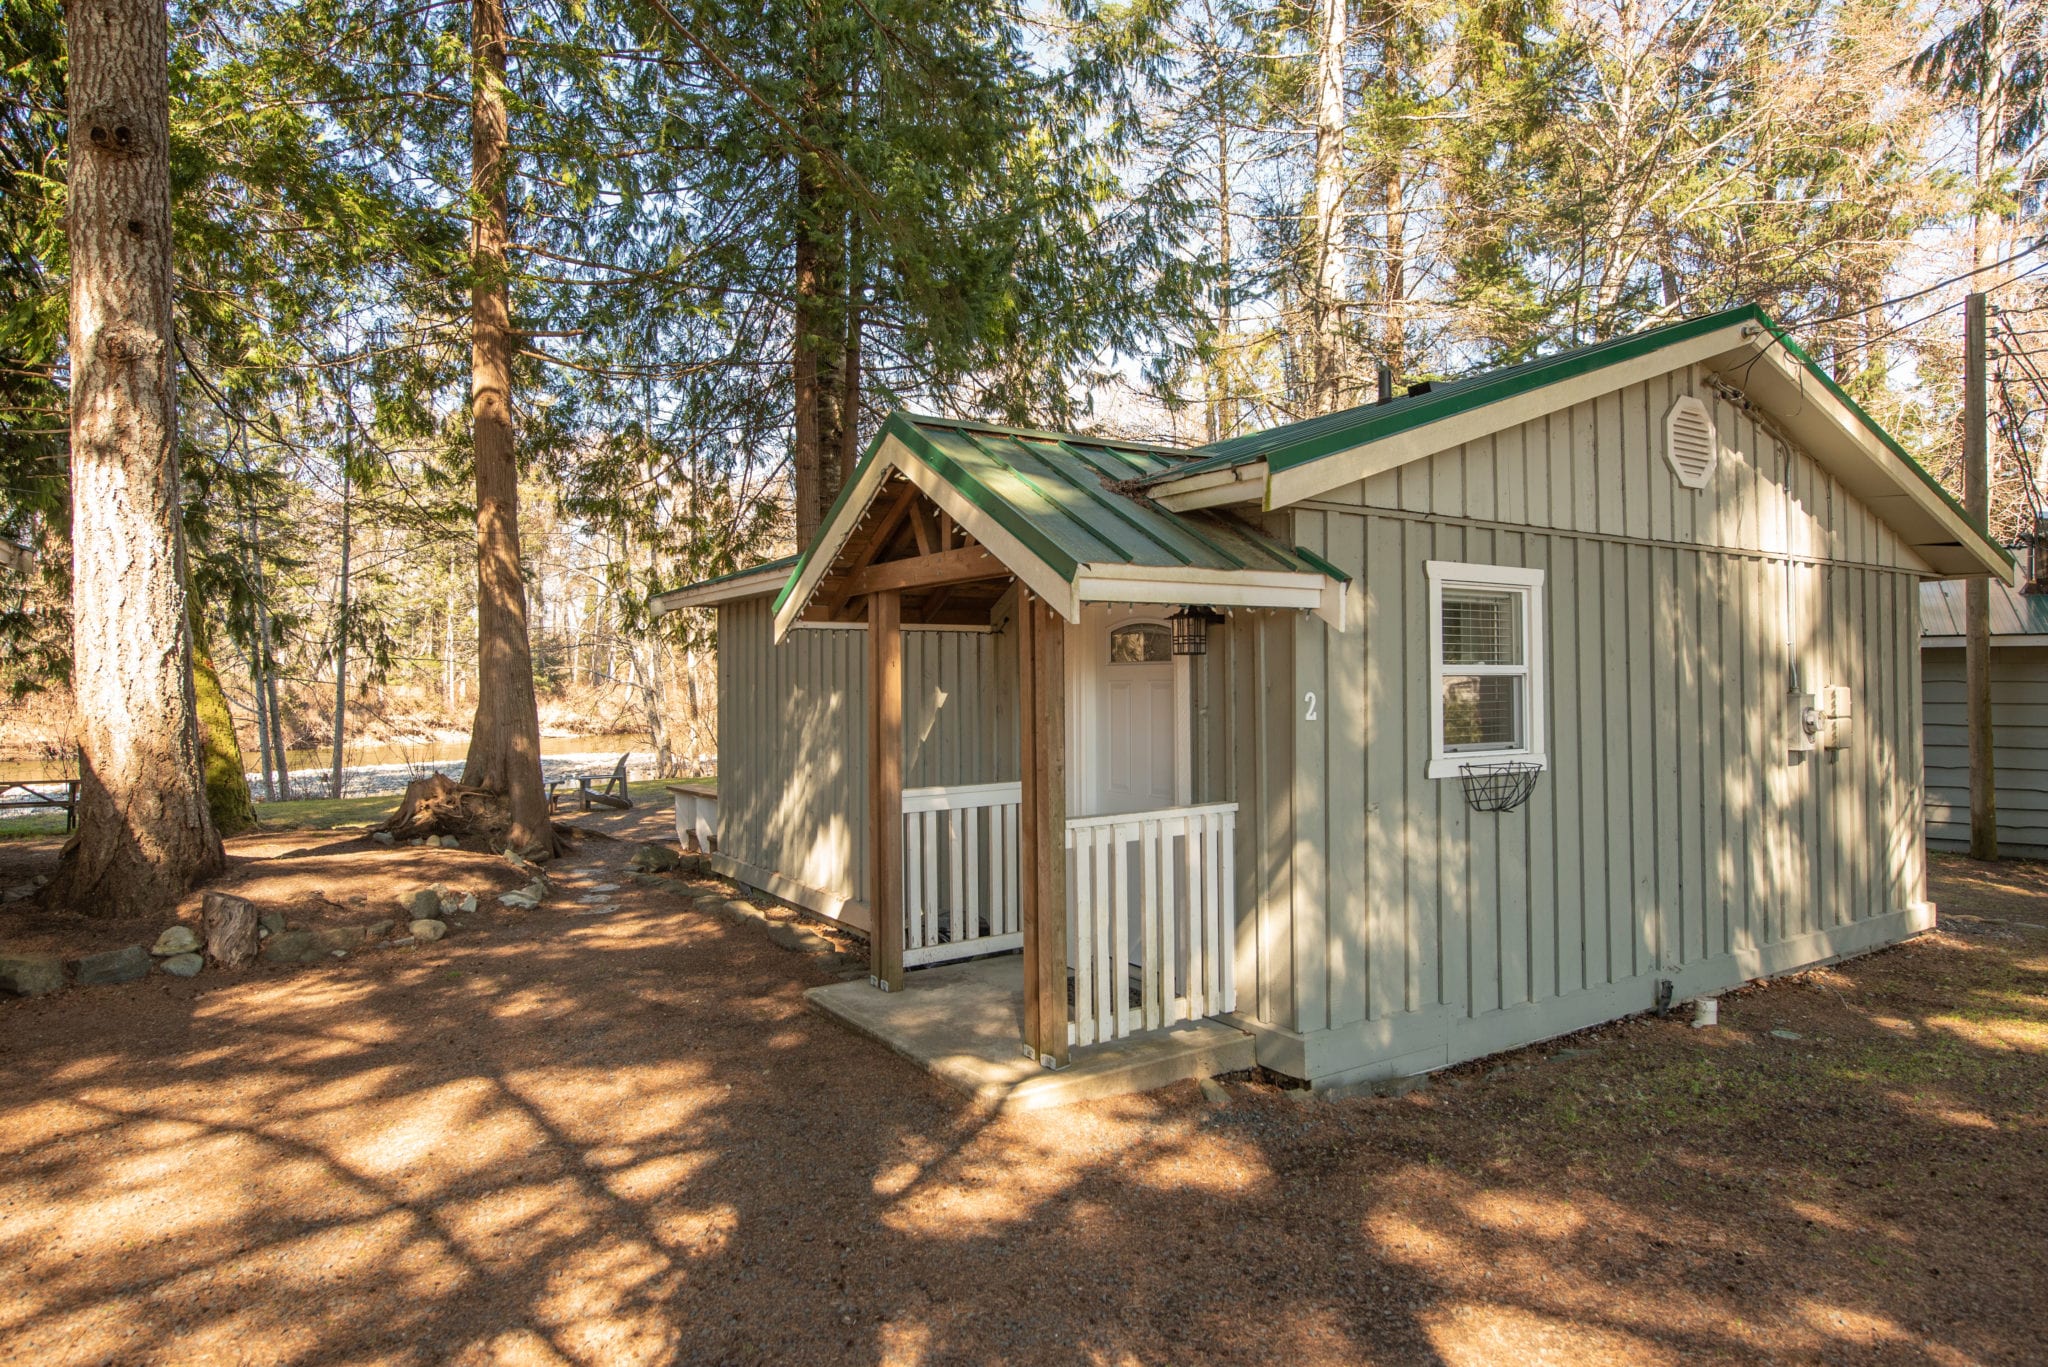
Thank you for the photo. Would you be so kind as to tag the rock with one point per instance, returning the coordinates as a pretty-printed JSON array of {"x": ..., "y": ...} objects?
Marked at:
[
  {"x": 384, "y": 837},
  {"x": 604, "y": 887},
  {"x": 428, "y": 929},
  {"x": 183, "y": 965},
  {"x": 21, "y": 892},
  {"x": 1786, "y": 1034},
  {"x": 528, "y": 897},
  {"x": 377, "y": 930},
  {"x": 796, "y": 937},
  {"x": 1574, "y": 1053},
  {"x": 520, "y": 862},
  {"x": 655, "y": 858},
  {"x": 123, "y": 965},
  {"x": 180, "y": 939},
  {"x": 425, "y": 904},
  {"x": 738, "y": 911},
  {"x": 468, "y": 903},
  {"x": 272, "y": 921},
  {"x": 1214, "y": 1092},
  {"x": 338, "y": 939},
  {"x": 292, "y": 947},
  {"x": 1401, "y": 1086},
  {"x": 31, "y": 975}
]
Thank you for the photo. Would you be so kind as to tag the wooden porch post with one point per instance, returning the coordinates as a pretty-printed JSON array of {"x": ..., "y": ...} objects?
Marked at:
[
  {"x": 1042, "y": 826},
  {"x": 885, "y": 789}
]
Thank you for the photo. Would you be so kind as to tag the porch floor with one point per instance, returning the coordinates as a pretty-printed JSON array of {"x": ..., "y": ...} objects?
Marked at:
[{"x": 964, "y": 1024}]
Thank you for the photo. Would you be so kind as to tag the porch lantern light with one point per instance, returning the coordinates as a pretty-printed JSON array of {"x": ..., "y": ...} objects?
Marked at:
[{"x": 1191, "y": 630}]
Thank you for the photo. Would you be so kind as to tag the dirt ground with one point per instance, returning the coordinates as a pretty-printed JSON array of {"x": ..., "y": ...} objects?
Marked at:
[{"x": 620, "y": 1137}]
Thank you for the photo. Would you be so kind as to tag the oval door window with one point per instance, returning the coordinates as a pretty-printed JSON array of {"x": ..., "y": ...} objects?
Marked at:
[{"x": 1140, "y": 643}]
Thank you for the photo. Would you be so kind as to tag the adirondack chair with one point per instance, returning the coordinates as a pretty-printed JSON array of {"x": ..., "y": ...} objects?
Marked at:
[{"x": 606, "y": 796}]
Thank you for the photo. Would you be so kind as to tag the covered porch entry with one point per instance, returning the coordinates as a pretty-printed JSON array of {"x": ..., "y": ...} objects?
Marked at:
[{"x": 1112, "y": 892}]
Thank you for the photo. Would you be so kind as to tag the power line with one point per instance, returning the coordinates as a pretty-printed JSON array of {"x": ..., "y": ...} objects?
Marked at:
[{"x": 1938, "y": 286}]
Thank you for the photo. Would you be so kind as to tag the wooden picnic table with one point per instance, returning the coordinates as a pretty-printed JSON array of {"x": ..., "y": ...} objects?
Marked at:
[{"x": 31, "y": 795}]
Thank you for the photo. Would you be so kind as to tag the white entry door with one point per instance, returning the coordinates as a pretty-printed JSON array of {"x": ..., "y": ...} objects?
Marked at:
[{"x": 1125, "y": 685}]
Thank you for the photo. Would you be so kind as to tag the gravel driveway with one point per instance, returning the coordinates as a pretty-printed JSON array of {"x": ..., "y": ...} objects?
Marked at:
[{"x": 621, "y": 1138}]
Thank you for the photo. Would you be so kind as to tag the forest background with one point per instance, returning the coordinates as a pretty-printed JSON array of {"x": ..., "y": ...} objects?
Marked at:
[{"x": 742, "y": 234}]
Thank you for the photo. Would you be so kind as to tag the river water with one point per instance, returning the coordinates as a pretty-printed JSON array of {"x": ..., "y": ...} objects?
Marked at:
[{"x": 384, "y": 767}]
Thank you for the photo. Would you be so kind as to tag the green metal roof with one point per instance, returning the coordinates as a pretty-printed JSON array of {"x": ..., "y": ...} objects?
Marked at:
[
  {"x": 2012, "y": 613},
  {"x": 1073, "y": 500},
  {"x": 1299, "y": 443}
]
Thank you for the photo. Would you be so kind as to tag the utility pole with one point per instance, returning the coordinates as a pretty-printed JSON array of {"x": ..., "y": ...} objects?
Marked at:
[
  {"x": 1977, "y": 592},
  {"x": 341, "y": 619}
]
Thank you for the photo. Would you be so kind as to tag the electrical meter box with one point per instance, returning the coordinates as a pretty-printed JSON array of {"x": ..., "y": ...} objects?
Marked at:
[
  {"x": 1806, "y": 723},
  {"x": 1837, "y": 710}
]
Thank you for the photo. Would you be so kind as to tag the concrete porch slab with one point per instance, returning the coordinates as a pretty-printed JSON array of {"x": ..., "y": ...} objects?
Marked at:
[{"x": 964, "y": 1024}]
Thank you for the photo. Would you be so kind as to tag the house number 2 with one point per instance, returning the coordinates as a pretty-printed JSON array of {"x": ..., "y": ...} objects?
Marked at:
[{"x": 1310, "y": 699}]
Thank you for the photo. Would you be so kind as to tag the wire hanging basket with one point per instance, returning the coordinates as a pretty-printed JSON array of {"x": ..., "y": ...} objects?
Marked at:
[{"x": 1498, "y": 787}]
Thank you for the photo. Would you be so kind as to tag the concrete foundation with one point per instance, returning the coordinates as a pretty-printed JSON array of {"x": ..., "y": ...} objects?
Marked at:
[{"x": 964, "y": 1023}]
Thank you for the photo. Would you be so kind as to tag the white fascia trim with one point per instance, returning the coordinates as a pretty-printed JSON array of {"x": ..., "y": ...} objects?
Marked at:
[
  {"x": 832, "y": 538},
  {"x": 1419, "y": 443},
  {"x": 1216, "y": 489},
  {"x": 1892, "y": 484},
  {"x": 1301, "y": 591},
  {"x": 894, "y": 455},
  {"x": 751, "y": 585}
]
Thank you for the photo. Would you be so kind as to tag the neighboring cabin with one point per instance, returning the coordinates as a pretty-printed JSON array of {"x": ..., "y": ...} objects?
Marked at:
[
  {"x": 2019, "y": 718},
  {"x": 1245, "y": 712}
]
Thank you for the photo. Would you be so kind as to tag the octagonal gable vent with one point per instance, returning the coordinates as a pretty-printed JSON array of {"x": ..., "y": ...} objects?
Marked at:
[{"x": 1690, "y": 443}]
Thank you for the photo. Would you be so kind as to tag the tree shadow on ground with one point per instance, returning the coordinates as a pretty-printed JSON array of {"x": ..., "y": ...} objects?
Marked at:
[{"x": 629, "y": 1141}]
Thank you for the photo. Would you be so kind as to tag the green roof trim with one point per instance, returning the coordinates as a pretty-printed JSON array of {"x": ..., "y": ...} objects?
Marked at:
[
  {"x": 1317, "y": 562},
  {"x": 785, "y": 563},
  {"x": 1069, "y": 500},
  {"x": 1311, "y": 439},
  {"x": 1301, "y": 443}
]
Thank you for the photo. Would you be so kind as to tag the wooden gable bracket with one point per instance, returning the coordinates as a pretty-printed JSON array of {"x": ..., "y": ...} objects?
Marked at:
[
  {"x": 928, "y": 571},
  {"x": 832, "y": 598}
]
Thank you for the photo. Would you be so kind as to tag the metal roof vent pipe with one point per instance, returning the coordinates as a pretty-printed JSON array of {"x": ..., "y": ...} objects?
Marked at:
[
  {"x": 2037, "y": 557},
  {"x": 1386, "y": 382}
]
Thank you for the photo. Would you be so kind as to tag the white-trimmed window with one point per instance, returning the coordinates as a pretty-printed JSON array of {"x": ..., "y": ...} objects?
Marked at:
[{"x": 1486, "y": 665}]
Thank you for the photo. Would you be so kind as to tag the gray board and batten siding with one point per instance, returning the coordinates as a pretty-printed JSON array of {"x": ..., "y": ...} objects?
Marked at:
[
  {"x": 1385, "y": 928},
  {"x": 793, "y": 744},
  {"x": 2019, "y": 718}
]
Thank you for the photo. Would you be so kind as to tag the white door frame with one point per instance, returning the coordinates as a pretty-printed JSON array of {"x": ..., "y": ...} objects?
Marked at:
[{"x": 1087, "y": 659}]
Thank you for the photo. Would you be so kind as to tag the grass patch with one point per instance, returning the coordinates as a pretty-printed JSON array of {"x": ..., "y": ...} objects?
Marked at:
[
  {"x": 325, "y": 813},
  {"x": 37, "y": 827}
]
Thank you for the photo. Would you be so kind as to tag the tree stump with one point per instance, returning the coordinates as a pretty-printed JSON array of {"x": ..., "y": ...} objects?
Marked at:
[
  {"x": 438, "y": 805},
  {"x": 230, "y": 928}
]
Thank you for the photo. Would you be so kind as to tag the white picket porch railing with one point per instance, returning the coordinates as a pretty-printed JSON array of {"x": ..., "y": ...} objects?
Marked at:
[
  {"x": 1152, "y": 919},
  {"x": 960, "y": 872}
]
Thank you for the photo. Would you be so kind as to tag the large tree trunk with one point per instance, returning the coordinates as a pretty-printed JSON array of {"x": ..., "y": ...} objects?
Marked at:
[
  {"x": 504, "y": 745},
  {"x": 144, "y": 836},
  {"x": 820, "y": 345},
  {"x": 1326, "y": 220},
  {"x": 1222, "y": 401}
]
